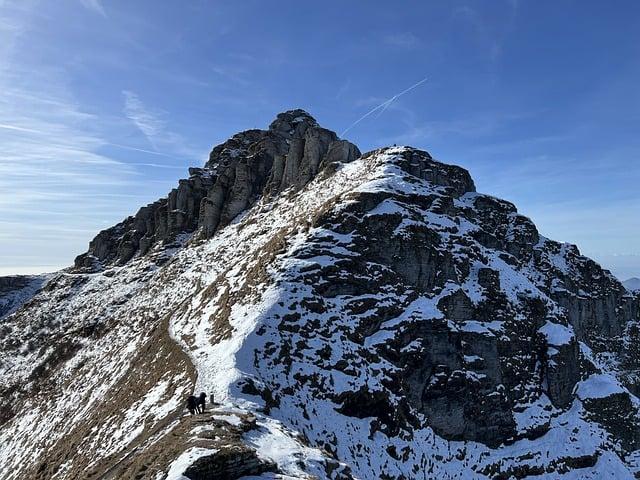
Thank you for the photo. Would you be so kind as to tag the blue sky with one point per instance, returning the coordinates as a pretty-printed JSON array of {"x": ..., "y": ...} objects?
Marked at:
[{"x": 104, "y": 104}]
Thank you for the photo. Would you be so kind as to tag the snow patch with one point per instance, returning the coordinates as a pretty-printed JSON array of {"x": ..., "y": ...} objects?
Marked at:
[
  {"x": 186, "y": 459},
  {"x": 557, "y": 334},
  {"x": 600, "y": 385}
]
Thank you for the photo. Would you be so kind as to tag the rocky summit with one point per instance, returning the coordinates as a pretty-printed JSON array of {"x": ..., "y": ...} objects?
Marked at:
[
  {"x": 354, "y": 316},
  {"x": 250, "y": 165}
]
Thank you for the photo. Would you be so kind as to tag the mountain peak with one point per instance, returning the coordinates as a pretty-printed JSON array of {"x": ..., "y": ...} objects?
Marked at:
[
  {"x": 419, "y": 163},
  {"x": 251, "y": 165},
  {"x": 354, "y": 317},
  {"x": 286, "y": 121}
]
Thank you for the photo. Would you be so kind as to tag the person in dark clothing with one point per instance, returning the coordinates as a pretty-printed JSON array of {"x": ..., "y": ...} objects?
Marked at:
[
  {"x": 202, "y": 401},
  {"x": 192, "y": 404}
]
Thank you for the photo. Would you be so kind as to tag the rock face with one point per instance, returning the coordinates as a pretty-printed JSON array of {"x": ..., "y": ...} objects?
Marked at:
[
  {"x": 240, "y": 171},
  {"x": 370, "y": 317},
  {"x": 474, "y": 314},
  {"x": 228, "y": 464}
]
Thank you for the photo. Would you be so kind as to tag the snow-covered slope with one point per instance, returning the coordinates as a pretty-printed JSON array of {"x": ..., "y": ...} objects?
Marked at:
[{"x": 380, "y": 319}]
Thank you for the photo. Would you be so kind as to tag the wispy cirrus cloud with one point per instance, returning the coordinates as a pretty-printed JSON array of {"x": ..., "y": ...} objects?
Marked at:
[
  {"x": 491, "y": 36},
  {"x": 67, "y": 168},
  {"x": 153, "y": 125},
  {"x": 57, "y": 187},
  {"x": 48, "y": 145},
  {"x": 344, "y": 88},
  {"x": 57, "y": 190},
  {"x": 149, "y": 122},
  {"x": 405, "y": 40},
  {"x": 95, "y": 6}
]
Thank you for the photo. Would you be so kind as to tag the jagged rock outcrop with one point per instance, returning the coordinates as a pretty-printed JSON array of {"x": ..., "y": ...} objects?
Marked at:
[
  {"x": 241, "y": 170},
  {"x": 370, "y": 317},
  {"x": 475, "y": 359}
]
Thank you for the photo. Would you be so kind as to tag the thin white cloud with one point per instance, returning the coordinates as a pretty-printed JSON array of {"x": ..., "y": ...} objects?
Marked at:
[
  {"x": 147, "y": 121},
  {"x": 151, "y": 122},
  {"x": 95, "y": 6},
  {"x": 405, "y": 40},
  {"x": 136, "y": 149},
  {"x": 31, "y": 270},
  {"x": 344, "y": 88},
  {"x": 56, "y": 188},
  {"x": 487, "y": 39},
  {"x": 53, "y": 177},
  {"x": 48, "y": 148},
  {"x": 232, "y": 73},
  {"x": 491, "y": 36},
  {"x": 158, "y": 165},
  {"x": 17, "y": 129}
]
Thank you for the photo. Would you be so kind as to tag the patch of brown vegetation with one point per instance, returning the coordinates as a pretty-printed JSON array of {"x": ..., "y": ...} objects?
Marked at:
[{"x": 159, "y": 359}]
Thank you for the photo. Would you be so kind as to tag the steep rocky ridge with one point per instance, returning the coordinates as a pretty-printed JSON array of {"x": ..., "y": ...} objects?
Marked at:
[
  {"x": 239, "y": 171},
  {"x": 379, "y": 319}
]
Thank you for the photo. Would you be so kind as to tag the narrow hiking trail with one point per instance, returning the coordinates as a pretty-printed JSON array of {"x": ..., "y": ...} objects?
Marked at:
[{"x": 215, "y": 436}]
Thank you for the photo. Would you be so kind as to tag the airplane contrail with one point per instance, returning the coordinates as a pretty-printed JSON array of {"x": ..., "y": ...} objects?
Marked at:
[
  {"x": 157, "y": 165},
  {"x": 384, "y": 105},
  {"x": 126, "y": 147}
]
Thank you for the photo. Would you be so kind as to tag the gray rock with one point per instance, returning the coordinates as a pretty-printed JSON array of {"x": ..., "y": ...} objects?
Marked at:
[
  {"x": 251, "y": 165},
  {"x": 229, "y": 463}
]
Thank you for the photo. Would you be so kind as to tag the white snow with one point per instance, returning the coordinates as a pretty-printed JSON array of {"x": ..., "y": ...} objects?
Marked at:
[
  {"x": 11, "y": 301},
  {"x": 484, "y": 328},
  {"x": 535, "y": 415},
  {"x": 231, "y": 419},
  {"x": 557, "y": 334},
  {"x": 186, "y": 458},
  {"x": 273, "y": 443},
  {"x": 600, "y": 385}
]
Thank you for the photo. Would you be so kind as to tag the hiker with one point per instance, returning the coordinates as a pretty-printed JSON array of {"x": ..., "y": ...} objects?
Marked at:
[
  {"x": 211, "y": 400},
  {"x": 202, "y": 401},
  {"x": 192, "y": 404}
]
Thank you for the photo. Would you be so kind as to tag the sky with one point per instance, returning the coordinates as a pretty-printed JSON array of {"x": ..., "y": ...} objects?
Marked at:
[{"x": 105, "y": 104}]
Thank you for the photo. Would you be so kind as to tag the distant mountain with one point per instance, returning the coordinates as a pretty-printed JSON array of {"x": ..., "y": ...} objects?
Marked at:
[
  {"x": 355, "y": 317},
  {"x": 16, "y": 290},
  {"x": 632, "y": 284}
]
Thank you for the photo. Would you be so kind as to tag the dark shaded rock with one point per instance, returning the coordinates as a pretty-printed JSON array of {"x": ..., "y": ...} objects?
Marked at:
[
  {"x": 563, "y": 372},
  {"x": 597, "y": 304},
  {"x": 229, "y": 463},
  {"x": 461, "y": 400},
  {"x": 619, "y": 416}
]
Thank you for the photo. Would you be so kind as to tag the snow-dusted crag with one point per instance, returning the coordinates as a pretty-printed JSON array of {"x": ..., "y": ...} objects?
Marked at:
[
  {"x": 248, "y": 166},
  {"x": 355, "y": 316}
]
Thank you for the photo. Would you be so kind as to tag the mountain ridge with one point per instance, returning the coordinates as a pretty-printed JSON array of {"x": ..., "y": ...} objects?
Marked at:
[
  {"x": 250, "y": 164},
  {"x": 379, "y": 320}
]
